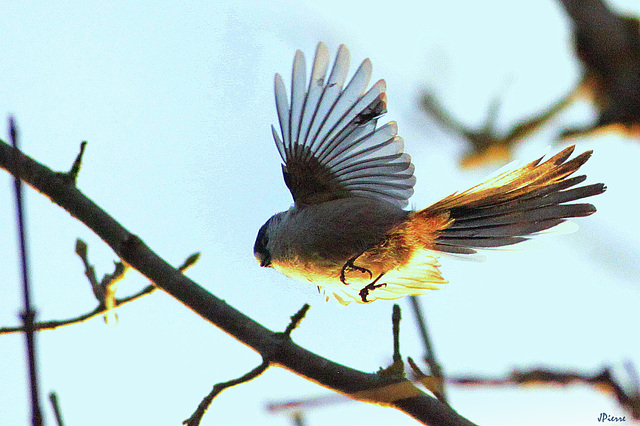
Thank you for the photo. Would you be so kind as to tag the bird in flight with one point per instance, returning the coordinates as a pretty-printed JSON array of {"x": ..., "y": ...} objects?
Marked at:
[{"x": 348, "y": 231}]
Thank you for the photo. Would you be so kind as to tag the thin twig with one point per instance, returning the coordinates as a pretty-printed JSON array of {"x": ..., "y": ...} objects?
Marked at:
[
  {"x": 100, "y": 309},
  {"x": 72, "y": 174},
  {"x": 89, "y": 270},
  {"x": 429, "y": 352},
  {"x": 305, "y": 404},
  {"x": 396, "y": 317},
  {"x": 29, "y": 314},
  {"x": 434, "y": 384},
  {"x": 105, "y": 290},
  {"x": 53, "y": 397},
  {"x": 196, "y": 417},
  {"x": 397, "y": 367},
  {"x": 295, "y": 319}
]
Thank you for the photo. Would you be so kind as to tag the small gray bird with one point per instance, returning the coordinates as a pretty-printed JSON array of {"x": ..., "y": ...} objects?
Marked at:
[{"x": 348, "y": 233}]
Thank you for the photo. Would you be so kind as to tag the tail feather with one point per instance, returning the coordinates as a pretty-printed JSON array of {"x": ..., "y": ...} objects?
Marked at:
[
  {"x": 524, "y": 204},
  {"x": 510, "y": 207},
  {"x": 506, "y": 230}
]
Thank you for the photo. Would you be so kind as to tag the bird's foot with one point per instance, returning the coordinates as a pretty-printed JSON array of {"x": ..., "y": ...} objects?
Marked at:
[
  {"x": 350, "y": 266},
  {"x": 371, "y": 286}
]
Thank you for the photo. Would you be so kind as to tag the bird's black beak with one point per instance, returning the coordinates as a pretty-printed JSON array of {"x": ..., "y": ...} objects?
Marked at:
[{"x": 264, "y": 259}]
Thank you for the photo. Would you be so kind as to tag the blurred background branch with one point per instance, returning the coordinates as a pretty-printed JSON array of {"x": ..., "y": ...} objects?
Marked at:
[
  {"x": 603, "y": 381},
  {"x": 607, "y": 45}
]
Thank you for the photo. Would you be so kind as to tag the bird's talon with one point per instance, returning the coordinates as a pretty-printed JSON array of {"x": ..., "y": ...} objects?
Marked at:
[
  {"x": 371, "y": 286},
  {"x": 349, "y": 265}
]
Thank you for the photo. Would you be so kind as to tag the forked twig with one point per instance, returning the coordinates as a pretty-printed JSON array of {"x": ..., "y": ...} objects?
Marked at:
[
  {"x": 100, "y": 309},
  {"x": 197, "y": 415}
]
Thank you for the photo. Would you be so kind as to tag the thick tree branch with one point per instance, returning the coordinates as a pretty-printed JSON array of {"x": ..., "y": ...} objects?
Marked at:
[{"x": 390, "y": 391}]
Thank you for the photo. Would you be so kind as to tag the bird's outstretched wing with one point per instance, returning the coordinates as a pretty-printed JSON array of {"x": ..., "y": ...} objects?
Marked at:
[
  {"x": 510, "y": 207},
  {"x": 329, "y": 142}
]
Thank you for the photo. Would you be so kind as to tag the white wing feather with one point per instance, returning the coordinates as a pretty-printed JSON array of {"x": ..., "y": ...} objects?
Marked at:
[{"x": 330, "y": 133}]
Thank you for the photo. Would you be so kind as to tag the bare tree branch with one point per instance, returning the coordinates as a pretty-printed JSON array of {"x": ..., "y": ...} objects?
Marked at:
[
  {"x": 608, "y": 46},
  {"x": 397, "y": 366},
  {"x": 396, "y": 392},
  {"x": 295, "y": 319},
  {"x": 72, "y": 174},
  {"x": 105, "y": 290},
  {"x": 196, "y": 417},
  {"x": 302, "y": 404},
  {"x": 101, "y": 309},
  {"x": 603, "y": 381}
]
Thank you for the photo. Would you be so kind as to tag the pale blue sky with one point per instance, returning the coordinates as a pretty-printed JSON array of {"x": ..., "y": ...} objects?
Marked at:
[{"x": 176, "y": 103}]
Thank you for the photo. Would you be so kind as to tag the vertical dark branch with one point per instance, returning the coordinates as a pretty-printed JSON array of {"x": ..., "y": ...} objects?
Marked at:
[
  {"x": 28, "y": 315},
  {"x": 430, "y": 355}
]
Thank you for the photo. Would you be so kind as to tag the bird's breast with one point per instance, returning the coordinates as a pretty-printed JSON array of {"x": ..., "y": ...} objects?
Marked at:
[{"x": 314, "y": 242}]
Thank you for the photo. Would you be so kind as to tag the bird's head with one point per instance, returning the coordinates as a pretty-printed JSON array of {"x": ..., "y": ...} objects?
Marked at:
[{"x": 264, "y": 240}]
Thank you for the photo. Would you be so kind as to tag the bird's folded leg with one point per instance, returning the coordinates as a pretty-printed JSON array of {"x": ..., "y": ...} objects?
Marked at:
[{"x": 349, "y": 265}]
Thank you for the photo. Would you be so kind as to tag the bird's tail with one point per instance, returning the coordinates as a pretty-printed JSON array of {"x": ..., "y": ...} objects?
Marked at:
[{"x": 508, "y": 208}]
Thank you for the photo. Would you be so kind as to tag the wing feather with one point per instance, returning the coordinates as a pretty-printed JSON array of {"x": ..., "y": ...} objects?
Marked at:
[
  {"x": 282, "y": 107},
  {"x": 298, "y": 95},
  {"x": 330, "y": 93},
  {"x": 316, "y": 87},
  {"x": 370, "y": 106},
  {"x": 329, "y": 140}
]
